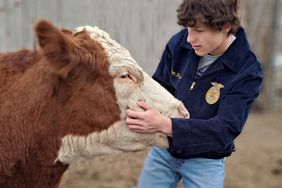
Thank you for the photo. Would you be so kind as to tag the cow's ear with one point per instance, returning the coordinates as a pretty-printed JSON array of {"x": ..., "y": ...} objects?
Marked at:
[{"x": 55, "y": 44}]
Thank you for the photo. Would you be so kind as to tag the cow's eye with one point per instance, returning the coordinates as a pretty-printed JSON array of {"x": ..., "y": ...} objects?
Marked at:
[{"x": 124, "y": 75}]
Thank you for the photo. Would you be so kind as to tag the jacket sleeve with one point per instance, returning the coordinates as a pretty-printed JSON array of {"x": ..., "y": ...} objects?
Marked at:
[{"x": 193, "y": 136}]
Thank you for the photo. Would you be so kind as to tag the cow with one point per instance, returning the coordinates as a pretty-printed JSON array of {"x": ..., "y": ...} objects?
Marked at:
[{"x": 67, "y": 99}]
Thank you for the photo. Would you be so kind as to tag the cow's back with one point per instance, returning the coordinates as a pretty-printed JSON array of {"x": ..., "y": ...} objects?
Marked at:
[{"x": 13, "y": 65}]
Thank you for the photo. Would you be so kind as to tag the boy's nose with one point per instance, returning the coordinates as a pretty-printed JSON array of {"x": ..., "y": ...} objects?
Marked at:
[{"x": 190, "y": 38}]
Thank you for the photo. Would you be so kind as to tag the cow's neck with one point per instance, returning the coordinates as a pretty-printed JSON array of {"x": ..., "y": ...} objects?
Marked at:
[{"x": 33, "y": 164}]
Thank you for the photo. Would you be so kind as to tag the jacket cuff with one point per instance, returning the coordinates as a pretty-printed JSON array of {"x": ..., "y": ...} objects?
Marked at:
[{"x": 180, "y": 135}]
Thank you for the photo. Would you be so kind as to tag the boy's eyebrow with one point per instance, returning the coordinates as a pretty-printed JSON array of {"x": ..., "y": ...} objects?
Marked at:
[{"x": 198, "y": 27}]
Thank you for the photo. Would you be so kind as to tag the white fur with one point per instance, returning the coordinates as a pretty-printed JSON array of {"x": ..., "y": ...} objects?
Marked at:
[{"x": 118, "y": 138}]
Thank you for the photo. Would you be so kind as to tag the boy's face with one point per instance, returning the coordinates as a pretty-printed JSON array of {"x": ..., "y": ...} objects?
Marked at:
[{"x": 206, "y": 40}]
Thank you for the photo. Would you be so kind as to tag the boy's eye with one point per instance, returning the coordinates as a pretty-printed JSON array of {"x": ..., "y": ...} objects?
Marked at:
[{"x": 200, "y": 30}]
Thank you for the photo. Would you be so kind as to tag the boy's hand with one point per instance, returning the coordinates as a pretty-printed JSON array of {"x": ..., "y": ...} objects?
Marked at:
[{"x": 150, "y": 121}]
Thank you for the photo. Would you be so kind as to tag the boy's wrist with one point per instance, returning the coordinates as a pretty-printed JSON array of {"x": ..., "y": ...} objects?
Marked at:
[{"x": 167, "y": 127}]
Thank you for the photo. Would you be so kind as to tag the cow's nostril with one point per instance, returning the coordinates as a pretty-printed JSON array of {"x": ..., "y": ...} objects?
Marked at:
[{"x": 183, "y": 112}]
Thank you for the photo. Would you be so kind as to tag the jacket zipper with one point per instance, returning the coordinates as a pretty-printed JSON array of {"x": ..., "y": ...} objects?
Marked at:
[{"x": 192, "y": 85}]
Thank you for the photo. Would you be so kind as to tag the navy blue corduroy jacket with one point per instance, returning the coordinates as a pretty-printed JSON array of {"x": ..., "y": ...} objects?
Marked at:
[{"x": 212, "y": 128}]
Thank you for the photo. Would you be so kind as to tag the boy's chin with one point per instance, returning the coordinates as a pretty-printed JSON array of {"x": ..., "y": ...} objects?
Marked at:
[{"x": 200, "y": 53}]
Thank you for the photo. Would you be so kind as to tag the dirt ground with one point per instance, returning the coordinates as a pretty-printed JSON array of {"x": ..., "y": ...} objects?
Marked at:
[{"x": 257, "y": 163}]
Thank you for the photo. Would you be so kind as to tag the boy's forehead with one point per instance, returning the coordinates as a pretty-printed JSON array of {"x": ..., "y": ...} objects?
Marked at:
[{"x": 200, "y": 23}]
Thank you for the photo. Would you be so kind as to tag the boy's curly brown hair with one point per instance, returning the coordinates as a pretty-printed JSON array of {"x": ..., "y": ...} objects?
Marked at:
[{"x": 214, "y": 13}]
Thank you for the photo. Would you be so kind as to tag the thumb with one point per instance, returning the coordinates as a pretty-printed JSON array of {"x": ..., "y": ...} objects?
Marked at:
[{"x": 144, "y": 105}]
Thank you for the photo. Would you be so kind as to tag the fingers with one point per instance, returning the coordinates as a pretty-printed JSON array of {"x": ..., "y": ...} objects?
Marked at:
[
  {"x": 131, "y": 121},
  {"x": 140, "y": 129},
  {"x": 134, "y": 121},
  {"x": 134, "y": 115},
  {"x": 141, "y": 121},
  {"x": 136, "y": 128},
  {"x": 135, "y": 124}
]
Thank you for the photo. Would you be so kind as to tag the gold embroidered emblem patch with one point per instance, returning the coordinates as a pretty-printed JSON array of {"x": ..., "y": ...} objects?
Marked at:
[
  {"x": 176, "y": 74},
  {"x": 213, "y": 93}
]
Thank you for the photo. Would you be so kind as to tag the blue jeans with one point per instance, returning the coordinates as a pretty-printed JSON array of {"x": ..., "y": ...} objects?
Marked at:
[{"x": 161, "y": 170}]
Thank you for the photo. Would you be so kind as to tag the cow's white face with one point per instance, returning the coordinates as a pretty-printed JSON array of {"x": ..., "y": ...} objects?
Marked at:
[{"x": 131, "y": 84}]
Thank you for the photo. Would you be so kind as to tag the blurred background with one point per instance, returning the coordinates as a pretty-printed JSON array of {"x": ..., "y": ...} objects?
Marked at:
[{"x": 144, "y": 27}]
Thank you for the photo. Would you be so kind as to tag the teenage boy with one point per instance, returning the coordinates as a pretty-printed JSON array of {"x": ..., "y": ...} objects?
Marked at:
[{"x": 208, "y": 66}]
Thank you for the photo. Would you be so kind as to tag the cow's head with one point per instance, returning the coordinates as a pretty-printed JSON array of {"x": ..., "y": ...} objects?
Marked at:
[
  {"x": 83, "y": 88},
  {"x": 131, "y": 83},
  {"x": 101, "y": 81}
]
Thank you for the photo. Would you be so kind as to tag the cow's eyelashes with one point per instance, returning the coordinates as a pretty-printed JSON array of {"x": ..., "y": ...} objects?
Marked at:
[{"x": 124, "y": 75}]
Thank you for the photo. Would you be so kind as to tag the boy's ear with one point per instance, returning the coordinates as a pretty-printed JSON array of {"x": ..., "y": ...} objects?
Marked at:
[
  {"x": 227, "y": 27},
  {"x": 56, "y": 46}
]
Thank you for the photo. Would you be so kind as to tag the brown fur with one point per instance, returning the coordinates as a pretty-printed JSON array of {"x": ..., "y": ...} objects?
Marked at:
[{"x": 61, "y": 88}]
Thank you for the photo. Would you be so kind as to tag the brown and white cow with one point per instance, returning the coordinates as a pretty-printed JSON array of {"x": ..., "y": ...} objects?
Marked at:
[{"x": 67, "y": 100}]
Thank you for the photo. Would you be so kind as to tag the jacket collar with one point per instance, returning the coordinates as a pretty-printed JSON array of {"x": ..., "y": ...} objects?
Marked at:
[{"x": 233, "y": 57}]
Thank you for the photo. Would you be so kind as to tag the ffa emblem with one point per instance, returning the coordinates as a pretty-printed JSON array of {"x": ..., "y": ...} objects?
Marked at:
[
  {"x": 213, "y": 93},
  {"x": 176, "y": 74}
]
